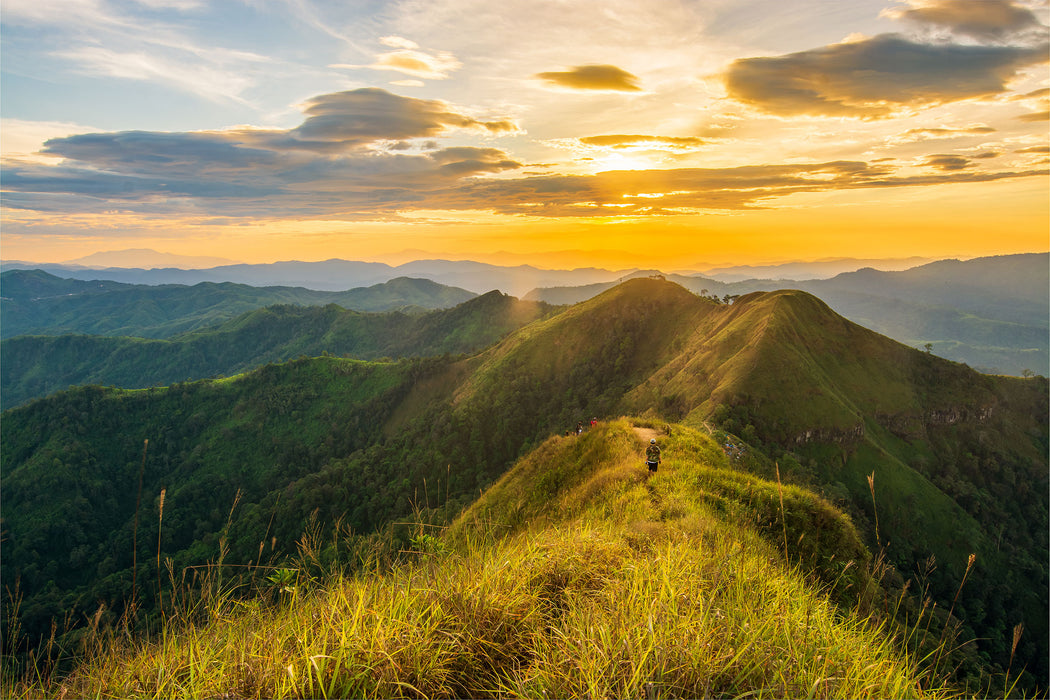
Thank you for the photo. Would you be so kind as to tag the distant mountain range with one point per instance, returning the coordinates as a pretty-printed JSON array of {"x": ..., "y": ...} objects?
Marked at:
[
  {"x": 35, "y": 302},
  {"x": 809, "y": 270},
  {"x": 146, "y": 258},
  {"x": 338, "y": 275},
  {"x": 37, "y": 365},
  {"x": 991, "y": 313}
]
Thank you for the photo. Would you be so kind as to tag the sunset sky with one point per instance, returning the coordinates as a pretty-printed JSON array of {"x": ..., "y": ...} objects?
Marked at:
[{"x": 560, "y": 133}]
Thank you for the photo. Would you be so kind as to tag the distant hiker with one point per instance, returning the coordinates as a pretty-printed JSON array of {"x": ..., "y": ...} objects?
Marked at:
[
  {"x": 579, "y": 428},
  {"x": 652, "y": 456},
  {"x": 594, "y": 422}
]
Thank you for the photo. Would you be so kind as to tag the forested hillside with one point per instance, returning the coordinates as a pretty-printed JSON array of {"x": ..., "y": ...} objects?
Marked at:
[
  {"x": 34, "y": 366},
  {"x": 957, "y": 460},
  {"x": 35, "y": 302},
  {"x": 574, "y": 575}
]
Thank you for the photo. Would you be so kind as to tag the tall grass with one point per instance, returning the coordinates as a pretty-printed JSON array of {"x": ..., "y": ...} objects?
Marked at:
[
  {"x": 572, "y": 610},
  {"x": 619, "y": 587}
]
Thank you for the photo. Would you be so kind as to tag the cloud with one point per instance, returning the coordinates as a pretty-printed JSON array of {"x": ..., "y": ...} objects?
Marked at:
[
  {"x": 351, "y": 152},
  {"x": 947, "y": 162},
  {"x": 465, "y": 160},
  {"x": 946, "y": 133},
  {"x": 353, "y": 118},
  {"x": 684, "y": 190},
  {"x": 982, "y": 20},
  {"x": 129, "y": 41},
  {"x": 592, "y": 77},
  {"x": 368, "y": 154},
  {"x": 873, "y": 78},
  {"x": 1035, "y": 116},
  {"x": 369, "y": 185},
  {"x": 397, "y": 42},
  {"x": 1040, "y": 94},
  {"x": 335, "y": 122},
  {"x": 418, "y": 64},
  {"x": 203, "y": 78},
  {"x": 631, "y": 140},
  {"x": 1043, "y": 150},
  {"x": 23, "y": 138}
]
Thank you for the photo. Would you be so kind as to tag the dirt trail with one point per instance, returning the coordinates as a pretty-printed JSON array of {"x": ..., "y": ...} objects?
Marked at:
[{"x": 646, "y": 434}]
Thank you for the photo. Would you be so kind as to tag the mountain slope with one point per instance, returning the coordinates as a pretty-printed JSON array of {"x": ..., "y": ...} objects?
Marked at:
[
  {"x": 958, "y": 459},
  {"x": 991, "y": 313},
  {"x": 833, "y": 401},
  {"x": 608, "y": 586},
  {"x": 34, "y": 366},
  {"x": 35, "y": 302}
]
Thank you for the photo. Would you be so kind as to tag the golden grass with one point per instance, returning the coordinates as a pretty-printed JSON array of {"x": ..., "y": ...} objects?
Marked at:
[{"x": 623, "y": 588}]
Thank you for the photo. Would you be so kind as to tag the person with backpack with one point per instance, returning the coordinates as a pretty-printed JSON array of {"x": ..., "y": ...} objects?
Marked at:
[{"x": 652, "y": 456}]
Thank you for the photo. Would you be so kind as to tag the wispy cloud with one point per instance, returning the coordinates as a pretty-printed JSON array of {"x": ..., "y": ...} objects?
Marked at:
[
  {"x": 947, "y": 133},
  {"x": 203, "y": 78},
  {"x": 641, "y": 140},
  {"x": 417, "y": 63},
  {"x": 1035, "y": 116},
  {"x": 131, "y": 42}
]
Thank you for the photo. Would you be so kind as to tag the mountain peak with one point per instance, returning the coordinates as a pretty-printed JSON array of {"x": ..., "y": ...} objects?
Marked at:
[{"x": 147, "y": 258}]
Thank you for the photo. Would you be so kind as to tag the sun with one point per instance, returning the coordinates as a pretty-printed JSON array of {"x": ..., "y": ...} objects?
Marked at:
[{"x": 620, "y": 161}]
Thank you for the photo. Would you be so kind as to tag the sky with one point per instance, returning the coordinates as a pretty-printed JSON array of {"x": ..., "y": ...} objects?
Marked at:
[{"x": 560, "y": 133}]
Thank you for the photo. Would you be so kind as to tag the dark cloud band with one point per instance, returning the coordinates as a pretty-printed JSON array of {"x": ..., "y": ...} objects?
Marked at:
[
  {"x": 874, "y": 77},
  {"x": 979, "y": 19}
]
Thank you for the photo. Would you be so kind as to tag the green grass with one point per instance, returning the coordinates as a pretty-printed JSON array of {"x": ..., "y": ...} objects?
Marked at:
[{"x": 574, "y": 575}]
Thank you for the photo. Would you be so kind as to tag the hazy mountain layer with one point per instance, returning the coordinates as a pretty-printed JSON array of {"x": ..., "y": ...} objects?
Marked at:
[
  {"x": 35, "y": 302},
  {"x": 335, "y": 275},
  {"x": 35, "y": 366}
]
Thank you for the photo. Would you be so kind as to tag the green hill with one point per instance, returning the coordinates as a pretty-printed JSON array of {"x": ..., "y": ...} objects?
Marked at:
[
  {"x": 957, "y": 459},
  {"x": 35, "y": 366},
  {"x": 990, "y": 313},
  {"x": 34, "y": 302},
  {"x": 574, "y": 575}
]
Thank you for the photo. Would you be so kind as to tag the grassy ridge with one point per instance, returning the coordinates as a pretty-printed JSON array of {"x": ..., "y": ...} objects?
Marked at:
[
  {"x": 617, "y": 587},
  {"x": 990, "y": 313}
]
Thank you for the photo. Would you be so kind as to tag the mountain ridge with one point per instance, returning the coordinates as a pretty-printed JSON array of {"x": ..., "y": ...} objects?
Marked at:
[
  {"x": 991, "y": 312},
  {"x": 572, "y": 575},
  {"x": 941, "y": 466}
]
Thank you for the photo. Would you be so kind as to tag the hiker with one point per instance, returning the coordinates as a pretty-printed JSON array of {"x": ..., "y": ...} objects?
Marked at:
[
  {"x": 652, "y": 456},
  {"x": 594, "y": 422},
  {"x": 579, "y": 428}
]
